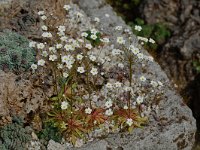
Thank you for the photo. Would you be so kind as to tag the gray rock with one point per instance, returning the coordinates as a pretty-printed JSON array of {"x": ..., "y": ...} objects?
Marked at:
[
  {"x": 177, "y": 55},
  {"x": 173, "y": 127}
]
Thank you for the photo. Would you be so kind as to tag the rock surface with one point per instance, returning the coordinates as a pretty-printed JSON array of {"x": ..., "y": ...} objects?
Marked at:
[
  {"x": 18, "y": 96},
  {"x": 173, "y": 127},
  {"x": 183, "y": 48}
]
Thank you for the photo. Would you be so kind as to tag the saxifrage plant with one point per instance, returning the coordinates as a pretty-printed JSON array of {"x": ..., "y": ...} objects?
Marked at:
[{"x": 87, "y": 100}]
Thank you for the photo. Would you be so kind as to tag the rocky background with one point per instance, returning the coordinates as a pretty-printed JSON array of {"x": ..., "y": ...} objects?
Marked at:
[
  {"x": 174, "y": 127},
  {"x": 182, "y": 49},
  {"x": 178, "y": 55}
]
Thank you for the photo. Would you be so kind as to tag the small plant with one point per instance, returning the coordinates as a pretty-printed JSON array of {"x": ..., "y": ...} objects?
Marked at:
[
  {"x": 14, "y": 136},
  {"x": 93, "y": 38},
  {"x": 129, "y": 9},
  {"x": 158, "y": 32},
  {"x": 50, "y": 132},
  {"x": 86, "y": 97},
  {"x": 196, "y": 65},
  {"x": 15, "y": 53}
]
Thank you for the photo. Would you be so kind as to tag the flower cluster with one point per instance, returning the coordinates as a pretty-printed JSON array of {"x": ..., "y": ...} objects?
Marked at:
[{"x": 88, "y": 99}]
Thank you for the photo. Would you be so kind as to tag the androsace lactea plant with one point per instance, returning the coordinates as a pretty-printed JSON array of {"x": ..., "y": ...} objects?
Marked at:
[{"x": 95, "y": 93}]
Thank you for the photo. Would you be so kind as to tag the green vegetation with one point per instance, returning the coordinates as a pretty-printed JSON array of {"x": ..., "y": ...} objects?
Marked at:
[
  {"x": 14, "y": 136},
  {"x": 50, "y": 132},
  {"x": 15, "y": 53},
  {"x": 96, "y": 40},
  {"x": 196, "y": 65},
  {"x": 128, "y": 10},
  {"x": 158, "y": 32}
]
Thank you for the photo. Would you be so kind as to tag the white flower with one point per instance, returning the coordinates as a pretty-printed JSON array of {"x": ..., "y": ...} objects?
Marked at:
[
  {"x": 45, "y": 28},
  {"x": 32, "y": 44},
  {"x": 64, "y": 105},
  {"x": 61, "y": 28},
  {"x": 44, "y": 53},
  {"x": 40, "y": 13},
  {"x": 43, "y": 17},
  {"x": 151, "y": 41},
  {"x": 125, "y": 107},
  {"x": 94, "y": 71},
  {"x": 79, "y": 15},
  {"x": 96, "y": 19},
  {"x": 61, "y": 33},
  {"x": 140, "y": 99},
  {"x": 79, "y": 57},
  {"x": 88, "y": 110},
  {"x": 60, "y": 66},
  {"x": 80, "y": 69},
  {"x": 118, "y": 28},
  {"x": 127, "y": 31},
  {"x": 65, "y": 74},
  {"x": 80, "y": 40},
  {"x": 93, "y": 36},
  {"x": 105, "y": 40},
  {"x": 58, "y": 46},
  {"x": 120, "y": 65},
  {"x": 84, "y": 34},
  {"x": 68, "y": 60},
  {"x": 41, "y": 62},
  {"x": 94, "y": 31},
  {"x": 107, "y": 15},
  {"x": 52, "y": 57},
  {"x": 69, "y": 47},
  {"x": 143, "y": 79},
  {"x": 52, "y": 49},
  {"x": 92, "y": 57},
  {"x": 95, "y": 98},
  {"x": 140, "y": 55},
  {"x": 40, "y": 46},
  {"x": 129, "y": 122},
  {"x": 47, "y": 34},
  {"x": 108, "y": 104},
  {"x": 69, "y": 66},
  {"x": 116, "y": 52},
  {"x": 150, "y": 58},
  {"x": 75, "y": 44},
  {"x": 63, "y": 38},
  {"x": 109, "y": 86},
  {"x": 134, "y": 49},
  {"x": 142, "y": 39},
  {"x": 120, "y": 40},
  {"x": 160, "y": 83},
  {"x": 109, "y": 112},
  {"x": 34, "y": 66},
  {"x": 127, "y": 88},
  {"x": 138, "y": 28},
  {"x": 118, "y": 84},
  {"x": 88, "y": 46},
  {"x": 154, "y": 83},
  {"x": 67, "y": 7},
  {"x": 102, "y": 73}
]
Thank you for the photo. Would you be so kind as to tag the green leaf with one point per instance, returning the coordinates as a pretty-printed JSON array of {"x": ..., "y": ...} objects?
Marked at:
[
  {"x": 55, "y": 98},
  {"x": 130, "y": 129},
  {"x": 51, "y": 114}
]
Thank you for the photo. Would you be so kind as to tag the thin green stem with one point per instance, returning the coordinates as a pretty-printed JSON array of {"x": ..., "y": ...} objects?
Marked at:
[{"x": 130, "y": 82}]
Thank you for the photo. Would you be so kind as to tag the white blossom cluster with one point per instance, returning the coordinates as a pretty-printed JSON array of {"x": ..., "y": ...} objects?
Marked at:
[{"x": 79, "y": 58}]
